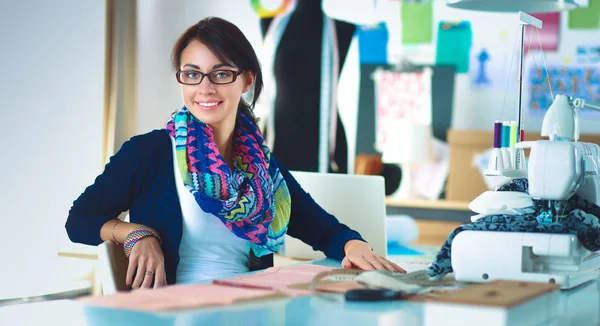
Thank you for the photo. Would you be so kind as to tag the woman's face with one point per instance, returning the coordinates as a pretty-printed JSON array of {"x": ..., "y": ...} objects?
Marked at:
[{"x": 215, "y": 105}]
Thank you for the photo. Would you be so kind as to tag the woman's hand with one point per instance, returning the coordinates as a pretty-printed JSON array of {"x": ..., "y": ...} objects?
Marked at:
[
  {"x": 146, "y": 264},
  {"x": 359, "y": 255}
]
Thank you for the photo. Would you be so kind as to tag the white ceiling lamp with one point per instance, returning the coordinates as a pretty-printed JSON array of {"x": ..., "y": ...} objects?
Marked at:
[{"x": 513, "y": 5}]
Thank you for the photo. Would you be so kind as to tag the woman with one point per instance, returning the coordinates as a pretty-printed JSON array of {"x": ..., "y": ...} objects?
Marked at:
[{"x": 205, "y": 197}]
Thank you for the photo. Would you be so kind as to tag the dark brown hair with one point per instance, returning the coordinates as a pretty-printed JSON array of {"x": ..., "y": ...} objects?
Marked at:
[{"x": 229, "y": 44}]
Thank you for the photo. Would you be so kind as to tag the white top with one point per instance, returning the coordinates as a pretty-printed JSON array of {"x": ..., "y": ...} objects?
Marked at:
[{"x": 208, "y": 250}]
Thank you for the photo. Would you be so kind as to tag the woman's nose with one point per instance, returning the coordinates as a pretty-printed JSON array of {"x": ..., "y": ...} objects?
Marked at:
[{"x": 205, "y": 86}]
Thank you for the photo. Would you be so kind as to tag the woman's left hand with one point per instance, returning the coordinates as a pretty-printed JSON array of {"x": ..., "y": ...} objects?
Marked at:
[{"x": 359, "y": 255}]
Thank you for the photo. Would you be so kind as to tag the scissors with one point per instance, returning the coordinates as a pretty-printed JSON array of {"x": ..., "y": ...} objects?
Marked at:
[{"x": 372, "y": 295}]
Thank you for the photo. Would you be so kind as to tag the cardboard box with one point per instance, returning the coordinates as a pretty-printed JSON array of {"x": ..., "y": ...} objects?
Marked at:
[
  {"x": 465, "y": 182},
  {"x": 498, "y": 303}
]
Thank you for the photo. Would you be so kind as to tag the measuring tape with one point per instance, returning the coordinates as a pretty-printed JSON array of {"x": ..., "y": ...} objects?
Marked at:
[{"x": 266, "y": 13}]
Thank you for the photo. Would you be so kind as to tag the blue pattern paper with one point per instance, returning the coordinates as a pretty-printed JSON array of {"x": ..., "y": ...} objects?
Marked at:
[{"x": 576, "y": 81}]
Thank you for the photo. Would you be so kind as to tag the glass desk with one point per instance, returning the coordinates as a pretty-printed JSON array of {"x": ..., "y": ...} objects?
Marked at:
[{"x": 578, "y": 307}]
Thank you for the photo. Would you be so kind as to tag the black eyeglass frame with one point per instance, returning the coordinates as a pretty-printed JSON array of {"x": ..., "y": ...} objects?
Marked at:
[{"x": 235, "y": 75}]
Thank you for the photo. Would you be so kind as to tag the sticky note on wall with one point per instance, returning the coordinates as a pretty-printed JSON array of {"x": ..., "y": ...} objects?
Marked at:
[
  {"x": 417, "y": 22},
  {"x": 586, "y": 17},
  {"x": 453, "y": 46}
]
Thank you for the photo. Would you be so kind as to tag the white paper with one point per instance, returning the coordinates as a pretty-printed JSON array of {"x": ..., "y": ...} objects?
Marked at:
[
  {"x": 400, "y": 98},
  {"x": 429, "y": 177}
]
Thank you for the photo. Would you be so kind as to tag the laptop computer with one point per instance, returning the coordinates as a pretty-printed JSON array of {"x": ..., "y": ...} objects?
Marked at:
[{"x": 357, "y": 201}]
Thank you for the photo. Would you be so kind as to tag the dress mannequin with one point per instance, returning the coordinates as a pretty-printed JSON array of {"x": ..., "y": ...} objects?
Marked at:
[{"x": 297, "y": 103}]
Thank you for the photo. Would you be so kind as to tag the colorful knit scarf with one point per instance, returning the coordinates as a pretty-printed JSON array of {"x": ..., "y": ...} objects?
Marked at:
[{"x": 253, "y": 200}]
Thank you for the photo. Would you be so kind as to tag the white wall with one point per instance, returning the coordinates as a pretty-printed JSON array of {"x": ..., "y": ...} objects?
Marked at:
[{"x": 51, "y": 86}]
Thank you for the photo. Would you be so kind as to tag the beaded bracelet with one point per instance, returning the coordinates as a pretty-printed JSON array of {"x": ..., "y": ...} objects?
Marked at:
[{"x": 134, "y": 236}]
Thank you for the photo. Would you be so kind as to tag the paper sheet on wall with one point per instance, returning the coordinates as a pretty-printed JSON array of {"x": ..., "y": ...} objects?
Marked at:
[
  {"x": 417, "y": 23},
  {"x": 576, "y": 81},
  {"x": 429, "y": 178},
  {"x": 372, "y": 43},
  {"x": 400, "y": 97},
  {"x": 548, "y": 35},
  {"x": 453, "y": 47},
  {"x": 588, "y": 54},
  {"x": 586, "y": 17}
]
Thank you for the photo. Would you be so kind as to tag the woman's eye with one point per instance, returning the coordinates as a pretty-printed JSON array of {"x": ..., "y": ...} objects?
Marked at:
[
  {"x": 223, "y": 74},
  {"x": 192, "y": 75}
]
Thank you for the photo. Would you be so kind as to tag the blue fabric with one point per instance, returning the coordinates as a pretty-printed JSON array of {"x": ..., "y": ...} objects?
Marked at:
[
  {"x": 140, "y": 178},
  {"x": 395, "y": 249},
  {"x": 575, "y": 216}
]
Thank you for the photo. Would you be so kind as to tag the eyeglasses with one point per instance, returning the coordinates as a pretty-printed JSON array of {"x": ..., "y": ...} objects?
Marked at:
[{"x": 217, "y": 77}]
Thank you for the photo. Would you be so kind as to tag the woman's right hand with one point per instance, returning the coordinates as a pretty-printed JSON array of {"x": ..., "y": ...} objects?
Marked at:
[{"x": 146, "y": 264}]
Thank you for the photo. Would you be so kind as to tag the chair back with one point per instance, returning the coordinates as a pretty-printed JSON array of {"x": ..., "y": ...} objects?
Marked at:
[
  {"x": 112, "y": 268},
  {"x": 357, "y": 201}
]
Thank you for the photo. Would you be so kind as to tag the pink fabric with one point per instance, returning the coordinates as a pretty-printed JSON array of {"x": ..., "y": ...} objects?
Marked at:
[
  {"x": 278, "y": 278},
  {"x": 270, "y": 282},
  {"x": 177, "y": 297}
]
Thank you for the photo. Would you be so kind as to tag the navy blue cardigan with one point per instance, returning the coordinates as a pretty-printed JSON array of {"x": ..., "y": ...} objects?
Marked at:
[{"x": 140, "y": 178}]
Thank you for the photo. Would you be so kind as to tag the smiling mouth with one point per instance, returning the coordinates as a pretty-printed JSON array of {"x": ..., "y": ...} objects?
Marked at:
[{"x": 208, "y": 105}]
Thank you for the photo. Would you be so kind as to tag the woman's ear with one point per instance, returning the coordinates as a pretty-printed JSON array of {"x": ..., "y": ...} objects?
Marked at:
[{"x": 249, "y": 81}]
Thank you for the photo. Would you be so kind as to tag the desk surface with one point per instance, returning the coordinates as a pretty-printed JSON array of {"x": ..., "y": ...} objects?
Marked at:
[{"x": 580, "y": 306}]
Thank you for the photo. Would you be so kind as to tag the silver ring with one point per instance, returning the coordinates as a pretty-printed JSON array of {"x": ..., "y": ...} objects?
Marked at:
[{"x": 149, "y": 273}]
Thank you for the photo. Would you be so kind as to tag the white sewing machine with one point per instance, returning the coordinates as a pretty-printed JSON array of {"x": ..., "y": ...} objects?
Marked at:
[{"x": 557, "y": 169}]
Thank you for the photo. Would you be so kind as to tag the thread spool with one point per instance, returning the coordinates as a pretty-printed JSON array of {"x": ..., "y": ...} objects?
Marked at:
[
  {"x": 497, "y": 134},
  {"x": 507, "y": 164}
]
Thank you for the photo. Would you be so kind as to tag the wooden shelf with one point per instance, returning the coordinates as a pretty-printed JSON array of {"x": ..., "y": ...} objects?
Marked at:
[{"x": 429, "y": 204}]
